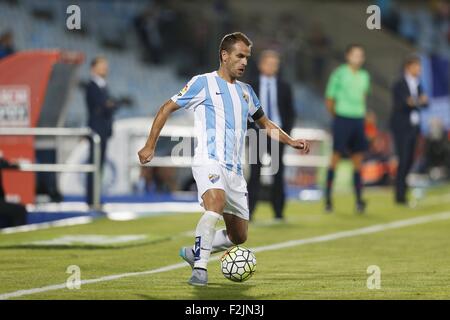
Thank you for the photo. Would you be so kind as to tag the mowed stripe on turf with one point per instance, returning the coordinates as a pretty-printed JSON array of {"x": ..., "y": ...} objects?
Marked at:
[{"x": 282, "y": 245}]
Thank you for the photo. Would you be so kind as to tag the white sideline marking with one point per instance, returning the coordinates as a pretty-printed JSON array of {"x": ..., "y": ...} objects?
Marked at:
[
  {"x": 46, "y": 225},
  {"x": 152, "y": 208},
  {"x": 357, "y": 232},
  {"x": 165, "y": 209},
  {"x": 130, "y": 215},
  {"x": 282, "y": 245}
]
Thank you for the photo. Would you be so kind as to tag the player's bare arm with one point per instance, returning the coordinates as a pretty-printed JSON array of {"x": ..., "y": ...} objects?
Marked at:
[
  {"x": 147, "y": 152},
  {"x": 275, "y": 132},
  {"x": 330, "y": 106}
]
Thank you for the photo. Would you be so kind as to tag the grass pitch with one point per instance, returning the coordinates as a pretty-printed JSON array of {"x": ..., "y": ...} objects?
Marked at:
[{"x": 414, "y": 260}]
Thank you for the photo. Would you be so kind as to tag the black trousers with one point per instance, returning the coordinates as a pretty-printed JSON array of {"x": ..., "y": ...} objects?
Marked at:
[
  {"x": 277, "y": 194},
  {"x": 12, "y": 214},
  {"x": 405, "y": 145},
  {"x": 90, "y": 176},
  {"x": 46, "y": 181}
]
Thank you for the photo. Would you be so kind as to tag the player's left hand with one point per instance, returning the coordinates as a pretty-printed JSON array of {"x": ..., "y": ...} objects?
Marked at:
[{"x": 301, "y": 144}]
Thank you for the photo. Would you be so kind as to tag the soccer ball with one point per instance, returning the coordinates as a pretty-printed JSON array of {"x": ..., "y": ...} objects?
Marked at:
[{"x": 238, "y": 264}]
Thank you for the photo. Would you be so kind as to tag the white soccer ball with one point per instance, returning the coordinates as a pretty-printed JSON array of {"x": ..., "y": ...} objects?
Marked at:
[{"x": 238, "y": 264}]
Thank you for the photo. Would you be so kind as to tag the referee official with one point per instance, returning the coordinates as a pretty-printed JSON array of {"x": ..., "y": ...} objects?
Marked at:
[{"x": 346, "y": 94}]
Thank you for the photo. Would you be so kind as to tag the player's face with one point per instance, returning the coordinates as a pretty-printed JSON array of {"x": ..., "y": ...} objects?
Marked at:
[
  {"x": 236, "y": 60},
  {"x": 356, "y": 57}
]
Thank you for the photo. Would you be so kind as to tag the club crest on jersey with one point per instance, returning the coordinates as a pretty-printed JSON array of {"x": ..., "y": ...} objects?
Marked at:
[
  {"x": 245, "y": 96},
  {"x": 213, "y": 177},
  {"x": 183, "y": 91}
]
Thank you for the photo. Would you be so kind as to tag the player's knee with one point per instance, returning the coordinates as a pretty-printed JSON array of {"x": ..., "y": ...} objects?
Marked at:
[
  {"x": 238, "y": 238},
  {"x": 218, "y": 204},
  {"x": 334, "y": 161},
  {"x": 357, "y": 164}
]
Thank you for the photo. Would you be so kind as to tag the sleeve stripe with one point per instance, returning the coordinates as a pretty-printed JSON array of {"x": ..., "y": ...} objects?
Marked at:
[{"x": 184, "y": 99}]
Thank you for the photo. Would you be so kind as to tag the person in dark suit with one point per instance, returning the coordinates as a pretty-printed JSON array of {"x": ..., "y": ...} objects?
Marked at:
[
  {"x": 101, "y": 109},
  {"x": 6, "y": 44},
  {"x": 408, "y": 99},
  {"x": 276, "y": 100},
  {"x": 11, "y": 214}
]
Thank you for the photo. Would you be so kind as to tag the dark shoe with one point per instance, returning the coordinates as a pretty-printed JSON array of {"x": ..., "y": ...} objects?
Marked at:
[
  {"x": 361, "y": 207},
  {"x": 328, "y": 207},
  {"x": 56, "y": 196}
]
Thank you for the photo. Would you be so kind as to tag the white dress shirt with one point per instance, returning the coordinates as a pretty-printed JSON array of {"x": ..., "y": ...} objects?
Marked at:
[
  {"x": 269, "y": 85},
  {"x": 413, "y": 86},
  {"x": 101, "y": 82}
]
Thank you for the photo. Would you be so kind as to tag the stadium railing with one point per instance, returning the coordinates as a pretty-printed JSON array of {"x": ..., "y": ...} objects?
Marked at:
[
  {"x": 93, "y": 167},
  {"x": 290, "y": 159}
]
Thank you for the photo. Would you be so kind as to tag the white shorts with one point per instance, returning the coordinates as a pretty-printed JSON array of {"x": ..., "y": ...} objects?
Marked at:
[{"x": 215, "y": 176}]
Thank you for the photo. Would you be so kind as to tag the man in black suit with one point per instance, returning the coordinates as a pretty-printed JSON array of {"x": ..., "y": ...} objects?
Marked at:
[
  {"x": 408, "y": 99},
  {"x": 11, "y": 214},
  {"x": 100, "y": 113},
  {"x": 276, "y": 100}
]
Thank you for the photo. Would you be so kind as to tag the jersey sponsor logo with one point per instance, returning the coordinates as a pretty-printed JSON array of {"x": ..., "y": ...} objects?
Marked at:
[
  {"x": 219, "y": 93},
  {"x": 213, "y": 177}
]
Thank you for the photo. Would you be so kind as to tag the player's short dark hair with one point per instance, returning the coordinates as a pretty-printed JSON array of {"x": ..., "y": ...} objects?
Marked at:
[
  {"x": 230, "y": 40},
  {"x": 411, "y": 59},
  {"x": 97, "y": 59},
  {"x": 352, "y": 46}
]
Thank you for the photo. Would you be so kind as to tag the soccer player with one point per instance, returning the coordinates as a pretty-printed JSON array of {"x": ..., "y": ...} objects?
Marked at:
[
  {"x": 346, "y": 94},
  {"x": 221, "y": 106}
]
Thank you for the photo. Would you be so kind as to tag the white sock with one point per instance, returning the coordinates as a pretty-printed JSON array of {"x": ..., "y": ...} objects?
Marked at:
[
  {"x": 221, "y": 241},
  {"x": 204, "y": 236}
]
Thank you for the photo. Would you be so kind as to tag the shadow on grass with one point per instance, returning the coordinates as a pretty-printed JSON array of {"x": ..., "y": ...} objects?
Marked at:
[
  {"x": 274, "y": 225},
  {"x": 214, "y": 291}
]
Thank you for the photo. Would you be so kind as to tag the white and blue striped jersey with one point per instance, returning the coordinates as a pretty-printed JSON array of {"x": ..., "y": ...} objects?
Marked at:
[{"x": 221, "y": 111}]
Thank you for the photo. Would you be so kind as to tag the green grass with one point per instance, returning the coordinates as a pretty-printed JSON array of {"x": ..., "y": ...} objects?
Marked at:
[{"x": 414, "y": 260}]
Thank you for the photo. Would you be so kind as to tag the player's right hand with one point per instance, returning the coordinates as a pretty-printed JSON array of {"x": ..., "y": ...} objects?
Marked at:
[
  {"x": 146, "y": 154},
  {"x": 302, "y": 145}
]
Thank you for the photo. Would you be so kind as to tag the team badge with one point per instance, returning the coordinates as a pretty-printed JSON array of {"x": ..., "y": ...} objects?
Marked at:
[
  {"x": 213, "y": 177},
  {"x": 245, "y": 96}
]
